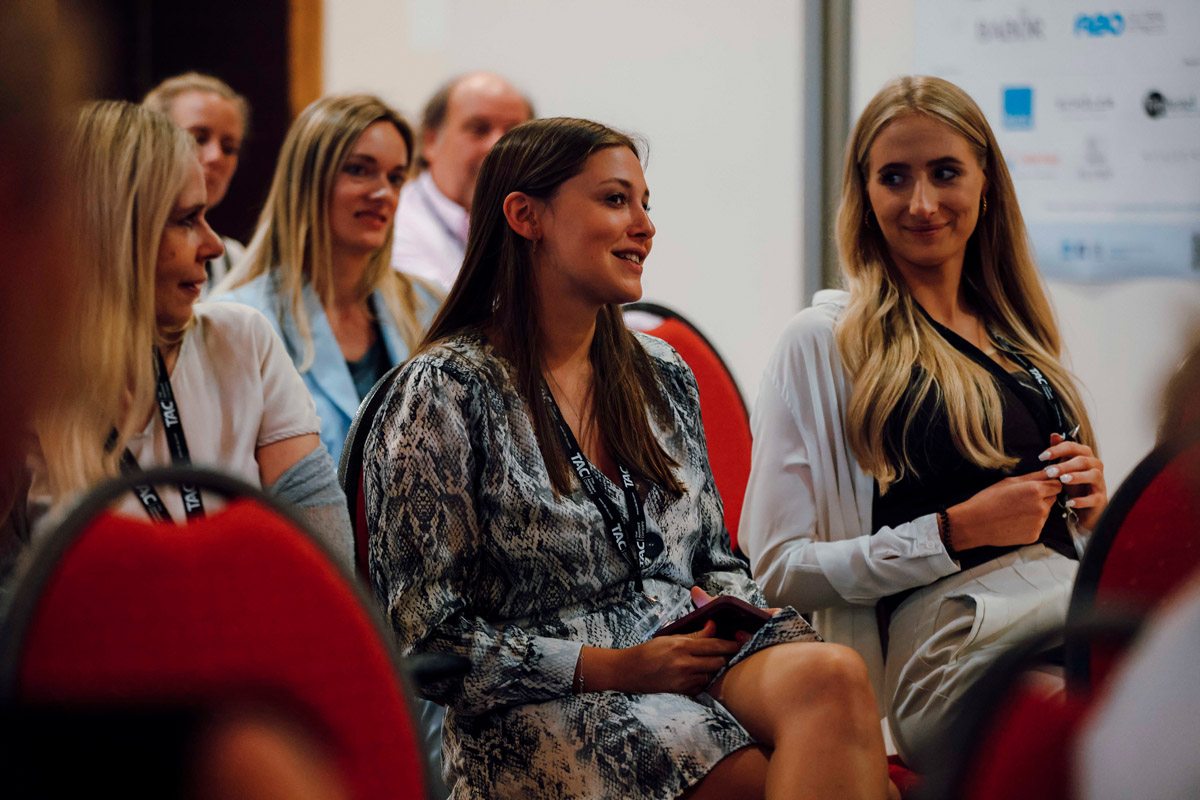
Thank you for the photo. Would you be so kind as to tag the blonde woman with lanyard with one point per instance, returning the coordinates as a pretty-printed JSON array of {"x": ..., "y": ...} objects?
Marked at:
[
  {"x": 217, "y": 118},
  {"x": 918, "y": 445},
  {"x": 318, "y": 265},
  {"x": 164, "y": 380}
]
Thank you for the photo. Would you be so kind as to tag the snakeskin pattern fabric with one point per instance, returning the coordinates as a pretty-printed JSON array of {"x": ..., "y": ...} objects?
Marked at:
[{"x": 471, "y": 552}]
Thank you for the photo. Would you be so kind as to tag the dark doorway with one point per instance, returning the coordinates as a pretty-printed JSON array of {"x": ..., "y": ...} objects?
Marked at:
[{"x": 242, "y": 42}]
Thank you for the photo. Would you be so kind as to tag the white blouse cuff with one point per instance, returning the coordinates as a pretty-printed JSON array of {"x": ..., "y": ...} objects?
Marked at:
[{"x": 866, "y": 568}]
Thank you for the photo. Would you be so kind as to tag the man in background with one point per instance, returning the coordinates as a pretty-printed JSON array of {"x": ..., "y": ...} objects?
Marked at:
[{"x": 460, "y": 124}]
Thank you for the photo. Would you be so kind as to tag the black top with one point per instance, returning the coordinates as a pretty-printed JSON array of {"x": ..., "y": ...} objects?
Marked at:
[
  {"x": 372, "y": 366},
  {"x": 944, "y": 477}
]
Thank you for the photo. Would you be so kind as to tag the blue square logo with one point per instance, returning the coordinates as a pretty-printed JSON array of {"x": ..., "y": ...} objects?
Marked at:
[{"x": 1018, "y": 108}]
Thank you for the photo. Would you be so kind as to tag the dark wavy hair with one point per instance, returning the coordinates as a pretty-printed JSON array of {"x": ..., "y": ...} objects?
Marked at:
[{"x": 496, "y": 288}]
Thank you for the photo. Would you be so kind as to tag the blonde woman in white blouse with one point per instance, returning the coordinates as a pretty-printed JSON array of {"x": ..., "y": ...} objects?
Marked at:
[
  {"x": 923, "y": 466},
  {"x": 139, "y": 211}
]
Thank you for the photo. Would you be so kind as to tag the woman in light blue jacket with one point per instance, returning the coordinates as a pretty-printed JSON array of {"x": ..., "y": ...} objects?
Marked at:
[{"x": 318, "y": 265}]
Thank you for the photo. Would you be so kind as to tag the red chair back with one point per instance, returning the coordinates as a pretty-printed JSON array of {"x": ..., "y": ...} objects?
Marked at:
[
  {"x": 1028, "y": 753},
  {"x": 351, "y": 463},
  {"x": 726, "y": 420},
  {"x": 1145, "y": 547},
  {"x": 242, "y": 604}
]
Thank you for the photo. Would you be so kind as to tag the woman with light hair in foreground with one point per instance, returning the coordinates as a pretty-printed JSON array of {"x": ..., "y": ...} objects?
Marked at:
[
  {"x": 923, "y": 475},
  {"x": 318, "y": 265},
  {"x": 218, "y": 376}
]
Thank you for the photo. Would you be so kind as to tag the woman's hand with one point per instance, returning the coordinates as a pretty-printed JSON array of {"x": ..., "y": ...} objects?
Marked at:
[
  {"x": 1009, "y": 512},
  {"x": 683, "y": 664},
  {"x": 676, "y": 664},
  {"x": 1078, "y": 469}
]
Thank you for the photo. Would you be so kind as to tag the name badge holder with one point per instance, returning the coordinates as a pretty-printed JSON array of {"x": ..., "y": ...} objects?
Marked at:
[
  {"x": 621, "y": 531},
  {"x": 168, "y": 411},
  {"x": 1052, "y": 399}
]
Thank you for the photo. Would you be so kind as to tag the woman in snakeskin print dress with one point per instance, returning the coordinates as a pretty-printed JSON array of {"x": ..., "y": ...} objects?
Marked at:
[{"x": 486, "y": 543}]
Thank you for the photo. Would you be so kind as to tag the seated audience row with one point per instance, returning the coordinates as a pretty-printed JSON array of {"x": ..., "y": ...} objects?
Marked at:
[{"x": 537, "y": 484}]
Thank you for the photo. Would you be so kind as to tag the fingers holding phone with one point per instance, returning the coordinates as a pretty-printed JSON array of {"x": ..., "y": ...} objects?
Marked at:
[{"x": 679, "y": 664}]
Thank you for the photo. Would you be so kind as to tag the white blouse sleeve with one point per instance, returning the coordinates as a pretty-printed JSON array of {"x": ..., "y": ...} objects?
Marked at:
[
  {"x": 288, "y": 408},
  {"x": 806, "y": 518}
]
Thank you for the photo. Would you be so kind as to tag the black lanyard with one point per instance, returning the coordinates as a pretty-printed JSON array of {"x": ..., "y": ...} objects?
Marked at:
[
  {"x": 621, "y": 532},
  {"x": 168, "y": 411},
  {"x": 1060, "y": 413}
]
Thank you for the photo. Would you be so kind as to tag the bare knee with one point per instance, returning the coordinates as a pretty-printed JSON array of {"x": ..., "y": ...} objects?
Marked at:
[{"x": 830, "y": 673}]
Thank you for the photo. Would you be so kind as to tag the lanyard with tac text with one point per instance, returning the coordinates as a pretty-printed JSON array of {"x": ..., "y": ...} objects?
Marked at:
[
  {"x": 620, "y": 531},
  {"x": 168, "y": 411},
  {"x": 1060, "y": 415}
]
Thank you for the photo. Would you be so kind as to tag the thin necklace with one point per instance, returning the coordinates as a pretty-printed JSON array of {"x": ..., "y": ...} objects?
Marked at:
[{"x": 570, "y": 407}]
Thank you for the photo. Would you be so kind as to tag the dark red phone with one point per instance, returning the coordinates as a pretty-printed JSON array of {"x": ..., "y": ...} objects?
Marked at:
[{"x": 732, "y": 614}]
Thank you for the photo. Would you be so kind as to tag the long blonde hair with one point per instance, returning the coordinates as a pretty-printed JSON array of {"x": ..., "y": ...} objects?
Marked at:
[
  {"x": 882, "y": 333},
  {"x": 293, "y": 240},
  {"x": 127, "y": 166}
]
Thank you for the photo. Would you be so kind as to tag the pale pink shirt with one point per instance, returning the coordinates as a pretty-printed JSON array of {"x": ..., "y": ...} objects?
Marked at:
[
  {"x": 236, "y": 390},
  {"x": 431, "y": 233}
]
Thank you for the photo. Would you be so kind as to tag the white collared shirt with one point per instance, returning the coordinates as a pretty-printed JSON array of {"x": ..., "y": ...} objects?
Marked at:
[{"x": 431, "y": 233}]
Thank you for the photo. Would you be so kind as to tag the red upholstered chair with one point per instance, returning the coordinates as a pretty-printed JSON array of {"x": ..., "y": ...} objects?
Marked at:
[
  {"x": 351, "y": 463},
  {"x": 115, "y": 611},
  {"x": 726, "y": 420},
  {"x": 1145, "y": 546}
]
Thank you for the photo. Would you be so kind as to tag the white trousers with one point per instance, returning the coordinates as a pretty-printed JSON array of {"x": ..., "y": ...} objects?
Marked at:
[{"x": 944, "y": 635}]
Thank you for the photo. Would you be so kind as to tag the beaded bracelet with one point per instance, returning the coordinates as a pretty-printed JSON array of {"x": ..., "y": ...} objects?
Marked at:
[{"x": 944, "y": 532}]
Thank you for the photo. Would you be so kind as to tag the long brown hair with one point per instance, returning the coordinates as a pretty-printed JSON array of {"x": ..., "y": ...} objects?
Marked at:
[
  {"x": 496, "y": 288},
  {"x": 882, "y": 334}
]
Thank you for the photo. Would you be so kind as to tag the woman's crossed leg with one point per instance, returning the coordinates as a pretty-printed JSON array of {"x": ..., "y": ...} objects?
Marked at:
[{"x": 811, "y": 707}]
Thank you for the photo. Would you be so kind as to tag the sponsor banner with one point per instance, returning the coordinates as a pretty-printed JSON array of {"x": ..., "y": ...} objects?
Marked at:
[
  {"x": 1097, "y": 252},
  {"x": 1097, "y": 112}
]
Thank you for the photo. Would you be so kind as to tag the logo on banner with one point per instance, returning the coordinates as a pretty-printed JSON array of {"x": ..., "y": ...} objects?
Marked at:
[
  {"x": 1018, "y": 108},
  {"x": 1181, "y": 156},
  {"x": 1022, "y": 28},
  {"x": 1095, "y": 165},
  {"x": 1099, "y": 25},
  {"x": 1082, "y": 250},
  {"x": 1159, "y": 105},
  {"x": 1082, "y": 104},
  {"x": 1148, "y": 23}
]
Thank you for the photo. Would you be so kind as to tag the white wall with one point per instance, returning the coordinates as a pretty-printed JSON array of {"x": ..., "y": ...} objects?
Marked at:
[
  {"x": 1123, "y": 339},
  {"x": 714, "y": 86}
]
